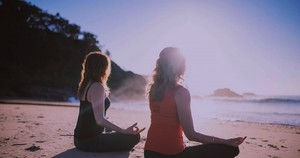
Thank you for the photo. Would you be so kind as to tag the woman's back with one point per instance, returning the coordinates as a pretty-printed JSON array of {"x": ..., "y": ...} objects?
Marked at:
[
  {"x": 165, "y": 132},
  {"x": 87, "y": 126}
]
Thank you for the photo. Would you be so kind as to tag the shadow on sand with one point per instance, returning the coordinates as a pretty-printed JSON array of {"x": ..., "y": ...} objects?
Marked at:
[{"x": 74, "y": 153}]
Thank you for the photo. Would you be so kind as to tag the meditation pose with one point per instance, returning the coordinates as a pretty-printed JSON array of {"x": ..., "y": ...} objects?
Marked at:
[
  {"x": 93, "y": 93},
  {"x": 171, "y": 115}
]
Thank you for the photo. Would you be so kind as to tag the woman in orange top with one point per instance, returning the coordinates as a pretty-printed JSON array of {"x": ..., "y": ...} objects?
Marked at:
[{"x": 171, "y": 116}]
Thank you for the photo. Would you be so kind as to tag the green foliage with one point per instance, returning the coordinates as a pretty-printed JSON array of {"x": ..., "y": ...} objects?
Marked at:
[{"x": 41, "y": 54}]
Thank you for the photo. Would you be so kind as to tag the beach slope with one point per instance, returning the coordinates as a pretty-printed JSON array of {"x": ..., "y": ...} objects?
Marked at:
[{"x": 47, "y": 131}]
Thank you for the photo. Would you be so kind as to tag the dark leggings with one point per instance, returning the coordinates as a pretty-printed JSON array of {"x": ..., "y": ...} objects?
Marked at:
[
  {"x": 108, "y": 142},
  {"x": 200, "y": 151}
]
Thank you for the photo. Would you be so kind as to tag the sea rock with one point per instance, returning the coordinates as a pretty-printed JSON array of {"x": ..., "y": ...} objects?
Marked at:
[{"x": 225, "y": 92}]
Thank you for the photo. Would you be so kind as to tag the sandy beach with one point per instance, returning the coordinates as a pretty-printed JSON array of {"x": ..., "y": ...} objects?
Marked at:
[{"x": 28, "y": 130}]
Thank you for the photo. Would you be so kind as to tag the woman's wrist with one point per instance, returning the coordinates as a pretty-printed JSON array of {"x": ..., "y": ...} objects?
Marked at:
[
  {"x": 213, "y": 140},
  {"x": 122, "y": 131},
  {"x": 218, "y": 140},
  {"x": 224, "y": 141}
]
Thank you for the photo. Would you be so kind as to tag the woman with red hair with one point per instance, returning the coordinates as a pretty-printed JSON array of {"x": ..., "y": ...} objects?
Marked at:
[{"x": 93, "y": 94}]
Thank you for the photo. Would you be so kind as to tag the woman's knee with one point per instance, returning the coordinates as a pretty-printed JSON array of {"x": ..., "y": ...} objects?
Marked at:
[
  {"x": 235, "y": 151},
  {"x": 229, "y": 151},
  {"x": 131, "y": 140},
  {"x": 136, "y": 138}
]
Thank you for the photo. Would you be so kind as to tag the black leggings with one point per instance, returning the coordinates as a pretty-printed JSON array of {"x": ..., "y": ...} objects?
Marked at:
[
  {"x": 108, "y": 142},
  {"x": 200, "y": 151}
]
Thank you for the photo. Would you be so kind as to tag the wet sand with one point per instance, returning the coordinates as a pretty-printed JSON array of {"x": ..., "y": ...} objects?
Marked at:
[{"x": 28, "y": 130}]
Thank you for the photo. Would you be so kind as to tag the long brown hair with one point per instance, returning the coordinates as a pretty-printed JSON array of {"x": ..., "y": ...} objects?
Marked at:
[
  {"x": 96, "y": 67},
  {"x": 168, "y": 73}
]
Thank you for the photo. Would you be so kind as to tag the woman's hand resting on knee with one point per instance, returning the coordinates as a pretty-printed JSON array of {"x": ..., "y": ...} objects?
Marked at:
[{"x": 133, "y": 129}]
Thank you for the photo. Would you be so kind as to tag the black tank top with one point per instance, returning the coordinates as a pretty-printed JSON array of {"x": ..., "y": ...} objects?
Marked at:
[{"x": 87, "y": 126}]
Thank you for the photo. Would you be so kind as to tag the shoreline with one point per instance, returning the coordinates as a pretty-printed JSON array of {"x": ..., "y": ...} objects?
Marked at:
[
  {"x": 49, "y": 130},
  {"x": 38, "y": 102},
  {"x": 75, "y": 105}
]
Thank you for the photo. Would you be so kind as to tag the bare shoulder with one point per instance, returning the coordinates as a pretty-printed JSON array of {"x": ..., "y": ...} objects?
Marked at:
[
  {"x": 95, "y": 90},
  {"x": 96, "y": 86},
  {"x": 182, "y": 97},
  {"x": 182, "y": 92}
]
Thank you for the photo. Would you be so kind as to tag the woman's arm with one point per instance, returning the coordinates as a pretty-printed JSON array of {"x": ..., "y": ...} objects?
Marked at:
[
  {"x": 183, "y": 101},
  {"x": 96, "y": 95}
]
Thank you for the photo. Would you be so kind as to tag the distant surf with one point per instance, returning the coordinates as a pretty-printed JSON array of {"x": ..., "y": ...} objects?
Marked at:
[
  {"x": 260, "y": 109},
  {"x": 279, "y": 99}
]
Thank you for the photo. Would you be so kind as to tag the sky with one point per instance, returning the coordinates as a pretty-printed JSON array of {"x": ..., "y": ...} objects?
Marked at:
[{"x": 244, "y": 45}]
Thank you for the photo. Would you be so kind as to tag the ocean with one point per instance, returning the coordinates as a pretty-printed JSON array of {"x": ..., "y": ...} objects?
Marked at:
[{"x": 283, "y": 110}]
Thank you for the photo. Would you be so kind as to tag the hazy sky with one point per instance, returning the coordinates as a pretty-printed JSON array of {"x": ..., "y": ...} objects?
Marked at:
[{"x": 245, "y": 45}]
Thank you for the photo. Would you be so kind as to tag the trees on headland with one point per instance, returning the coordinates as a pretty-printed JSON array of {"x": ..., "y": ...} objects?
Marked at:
[{"x": 41, "y": 54}]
